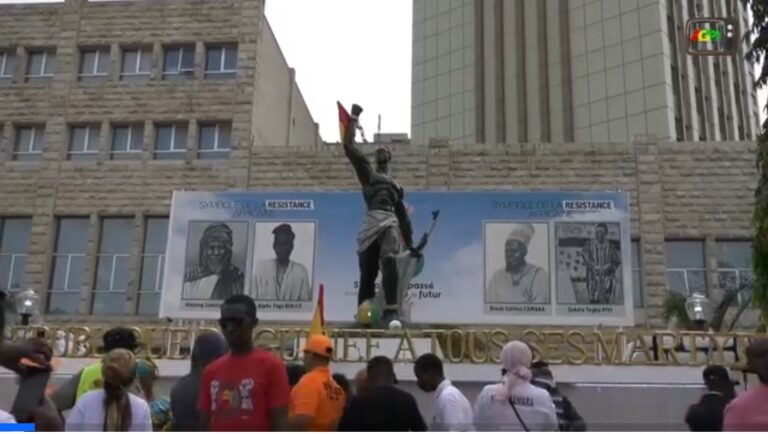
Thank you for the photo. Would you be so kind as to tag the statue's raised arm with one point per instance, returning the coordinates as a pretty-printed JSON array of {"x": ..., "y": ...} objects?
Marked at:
[{"x": 354, "y": 154}]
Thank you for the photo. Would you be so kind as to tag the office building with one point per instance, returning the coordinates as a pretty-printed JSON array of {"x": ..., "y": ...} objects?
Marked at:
[{"x": 507, "y": 71}]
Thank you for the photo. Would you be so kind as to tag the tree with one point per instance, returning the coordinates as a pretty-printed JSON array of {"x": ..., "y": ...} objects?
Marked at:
[{"x": 758, "y": 32}]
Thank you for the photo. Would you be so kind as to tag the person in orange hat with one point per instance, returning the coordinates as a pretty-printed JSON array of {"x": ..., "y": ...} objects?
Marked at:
[{"x": 317, "y": 401}]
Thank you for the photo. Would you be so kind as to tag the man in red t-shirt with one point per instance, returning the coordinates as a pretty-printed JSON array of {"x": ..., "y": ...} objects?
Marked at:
[{"x": 247, "y": 389}]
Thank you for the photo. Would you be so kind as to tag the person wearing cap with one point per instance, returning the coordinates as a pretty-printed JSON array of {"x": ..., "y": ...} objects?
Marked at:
[
  {"x": 519, "y": 281},
  {"x": 380, "y": 406},
  {"x": 453, "y": 412},
  {"x": 282, "y": 278},
  {"x": 317, "y": 402},
  {"x": 567, "y": 417},
  {"x": 707, "y": 414},
  {"x": 90, "y": 378},
  {"x": 748, "y": 411}
]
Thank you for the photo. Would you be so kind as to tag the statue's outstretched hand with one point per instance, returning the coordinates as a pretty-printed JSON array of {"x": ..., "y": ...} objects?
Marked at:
[
  {"x": 415, "y": 252},
  {"x": 422, "y": 243}
]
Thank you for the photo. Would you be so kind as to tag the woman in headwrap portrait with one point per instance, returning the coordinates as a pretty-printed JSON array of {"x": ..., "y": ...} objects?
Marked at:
[
  {"x": 214, "y": 277},
  {"x": 112, "y": 408},
  {"x": 515, "y": 404}
]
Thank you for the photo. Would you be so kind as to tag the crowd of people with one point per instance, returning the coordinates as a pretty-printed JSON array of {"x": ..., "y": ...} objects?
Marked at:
[
  {"x": 720, "y": 409},
  {"x": 235, "y": 386}
]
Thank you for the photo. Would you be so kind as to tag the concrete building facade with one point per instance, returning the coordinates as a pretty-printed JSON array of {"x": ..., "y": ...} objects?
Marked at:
[
  {"x": 90, "y": 157},
  {"x": 182, "y": 89},
  {"x": 506, "y": 71}
]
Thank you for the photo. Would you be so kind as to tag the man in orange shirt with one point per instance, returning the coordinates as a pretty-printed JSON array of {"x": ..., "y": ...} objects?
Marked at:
[{"x": 317, "y": 402}]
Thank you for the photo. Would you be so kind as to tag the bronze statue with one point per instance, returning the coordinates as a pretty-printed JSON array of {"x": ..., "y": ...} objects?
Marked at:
[{"x": 386, "y": 227}]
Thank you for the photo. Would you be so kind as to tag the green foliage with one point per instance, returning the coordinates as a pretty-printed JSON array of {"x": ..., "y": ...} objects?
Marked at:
[
  {"x": 756, "y": 55},
  {"x": 674, "y": 308}
]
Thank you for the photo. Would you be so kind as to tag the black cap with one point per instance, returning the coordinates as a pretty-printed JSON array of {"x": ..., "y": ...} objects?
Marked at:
[
  {"x": 717, "y": 373},
  {"x": 380, "y": 365}
]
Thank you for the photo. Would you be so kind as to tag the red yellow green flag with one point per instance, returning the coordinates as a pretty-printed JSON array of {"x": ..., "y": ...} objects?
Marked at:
[
  {"x": 344, "y": 120},
  {"x": 318, "y": 319}
]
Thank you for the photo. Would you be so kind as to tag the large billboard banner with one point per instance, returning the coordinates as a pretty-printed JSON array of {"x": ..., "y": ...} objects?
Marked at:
[{"x": 549, "y": 258}]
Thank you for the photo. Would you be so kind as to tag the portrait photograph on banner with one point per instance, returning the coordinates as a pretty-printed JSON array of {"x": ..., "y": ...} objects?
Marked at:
[
  {"x": 516, "y": 266},
  {"x": 283, "y": 264},
  {"x": 549, "y": 258},
  {"x": 589, "y": 263},
  {"x": 216, "y": 256}
]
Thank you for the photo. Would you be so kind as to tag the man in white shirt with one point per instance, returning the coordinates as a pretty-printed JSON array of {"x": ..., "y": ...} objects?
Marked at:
[
  {"x": 282, "y": 279},
  {"x": 518, "y": 281},
  {"x": 453, "y": 412}
]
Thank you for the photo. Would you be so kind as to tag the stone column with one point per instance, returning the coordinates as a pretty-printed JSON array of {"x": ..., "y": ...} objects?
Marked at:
[{"x": 650, "y": 219}]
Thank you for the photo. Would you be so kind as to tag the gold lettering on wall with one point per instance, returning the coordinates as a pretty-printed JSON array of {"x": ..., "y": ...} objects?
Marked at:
[
  {"x": 611, "y": 351},
  {"x": 576, "y": 341},
  {"x": 405, "y": 339},
  {"x": 477, "y": 342},
  {"x": 602, "y": 346}
]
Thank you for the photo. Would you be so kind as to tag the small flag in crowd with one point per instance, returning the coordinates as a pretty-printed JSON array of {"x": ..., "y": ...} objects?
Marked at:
[
  {"x": 318, "y": 319},
  {"x": 344, "y": 120}
]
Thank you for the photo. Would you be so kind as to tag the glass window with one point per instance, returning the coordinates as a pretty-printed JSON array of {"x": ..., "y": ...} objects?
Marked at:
[
  {"x": 637, "y": 275},
  {"x": 29, "y": 143},
  {"x": 113, "y": 265},
  {"x": 215, "y": 140},
  {"x": 221, "y": 61},
  {"x": 734, "y": 266},
  {"x": 7, "y": 66},
  {"x": 170, "y": 141},
  {"x": 179, "y": 62},
  {"x": 68, "y": 277},
  {"x": 137, "y": 64},
  {"x": 41, "y": 64},
  {"x": 14, "y": 245},
  {"x": 127, "y": 141},
  {"x": 94, "y": 63},
  {"x": 686, "y": 270},
  {"x": 152, "y": 265},
  {"x": 84, "y": 142}
]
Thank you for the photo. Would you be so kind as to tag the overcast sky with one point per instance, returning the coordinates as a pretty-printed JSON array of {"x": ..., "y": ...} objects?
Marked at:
[{"x": 352, "y": 51}]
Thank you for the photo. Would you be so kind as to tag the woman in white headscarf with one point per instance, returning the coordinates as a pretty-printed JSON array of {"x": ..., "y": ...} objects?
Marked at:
[{"x": 515, "y": 404}]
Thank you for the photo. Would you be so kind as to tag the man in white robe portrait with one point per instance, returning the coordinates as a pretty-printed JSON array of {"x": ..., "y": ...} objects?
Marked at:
[
  {"x": 519, "y": 281},
  {"x": 282, "y": 279}
]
